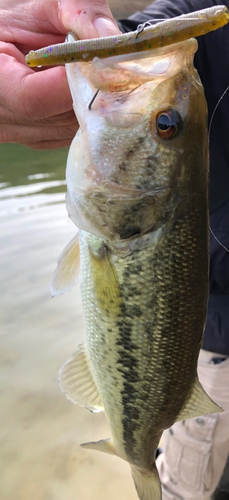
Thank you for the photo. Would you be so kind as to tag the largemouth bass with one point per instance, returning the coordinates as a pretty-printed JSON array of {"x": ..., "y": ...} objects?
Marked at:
[{"x": 137, "y": 180}]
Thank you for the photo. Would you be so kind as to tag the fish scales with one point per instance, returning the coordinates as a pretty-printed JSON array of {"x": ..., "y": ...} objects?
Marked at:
[
  {"x": 147, "y": 345},
  {"x": 137, "y": 179}
]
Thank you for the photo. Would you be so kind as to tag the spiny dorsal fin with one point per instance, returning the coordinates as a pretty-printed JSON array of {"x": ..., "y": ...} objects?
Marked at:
[
  {"x": 76, "y": 381},
  {"x": 67, "y": 271},
  {"x": 106, "y": 285},
  {"x": 104, "y": 445},
  {"x": 198, "y": 404}
]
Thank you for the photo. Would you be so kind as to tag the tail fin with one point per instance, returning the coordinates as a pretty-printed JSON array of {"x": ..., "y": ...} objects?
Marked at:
[{"x": 147, "y": 485}]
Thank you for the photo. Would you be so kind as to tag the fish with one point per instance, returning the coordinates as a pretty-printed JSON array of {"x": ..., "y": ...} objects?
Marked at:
[{"x": 137, "y": 190}]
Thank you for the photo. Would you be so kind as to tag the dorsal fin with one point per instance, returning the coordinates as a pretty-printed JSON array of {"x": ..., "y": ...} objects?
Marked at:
[{"x": 104, "y": 445}]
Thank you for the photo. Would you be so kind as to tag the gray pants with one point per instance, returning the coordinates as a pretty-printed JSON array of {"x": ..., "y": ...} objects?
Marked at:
[{"x": 196, "y": 450}]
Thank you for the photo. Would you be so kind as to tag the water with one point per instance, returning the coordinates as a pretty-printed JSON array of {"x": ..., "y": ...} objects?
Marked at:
[{"x": 40, "y": 431}]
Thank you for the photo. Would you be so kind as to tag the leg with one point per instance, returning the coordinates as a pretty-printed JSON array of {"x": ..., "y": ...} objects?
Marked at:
[
  {"x": 196, "y": 450},
  {"x": 222, "y": 490}
]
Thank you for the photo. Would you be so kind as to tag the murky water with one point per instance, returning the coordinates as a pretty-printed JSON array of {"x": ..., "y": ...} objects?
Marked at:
[{"x": 40, "y": 431}]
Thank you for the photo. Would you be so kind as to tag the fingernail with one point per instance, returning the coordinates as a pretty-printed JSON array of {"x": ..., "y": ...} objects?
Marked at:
[{"x": 105, "y": 27}]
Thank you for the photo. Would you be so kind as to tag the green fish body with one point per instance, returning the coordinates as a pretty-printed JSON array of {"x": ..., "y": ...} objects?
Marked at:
[{"x": 137, "y": 178}]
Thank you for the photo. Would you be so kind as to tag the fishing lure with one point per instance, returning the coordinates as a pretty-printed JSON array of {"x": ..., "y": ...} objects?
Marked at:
[{"x": 158, "y": 35}]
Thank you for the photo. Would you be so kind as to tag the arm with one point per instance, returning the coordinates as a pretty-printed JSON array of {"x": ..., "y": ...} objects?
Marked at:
[{"x": 36, "y": 106}]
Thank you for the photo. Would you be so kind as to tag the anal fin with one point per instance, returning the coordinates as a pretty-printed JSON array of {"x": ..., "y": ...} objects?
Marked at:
[
  {"x": 198, "y": 404},
  {"x": 76, "y": 380},
  {"x": 105, "y": 446}
]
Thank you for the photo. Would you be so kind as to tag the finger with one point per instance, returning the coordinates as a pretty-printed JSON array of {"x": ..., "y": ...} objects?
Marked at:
[
  {"x": 47, "y": 22},
  {"x": 36, "y": 135},
  {"x": 47, "y": 93},
  {"x": 35, "y": 41},
  {"x": 35, "y": 108},
  {"x": 47, "y": 145},
  {"x": 37, "y": 25},
  {"x": 10, "y": 50},
  {"x": 89, "y": 19},
  {"x": 60, "y": 120},
  {"x": 29, "y": 94}
]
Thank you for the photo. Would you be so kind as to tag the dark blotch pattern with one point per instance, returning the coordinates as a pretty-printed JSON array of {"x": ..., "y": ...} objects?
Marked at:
[{"x": 128, "y": 367}]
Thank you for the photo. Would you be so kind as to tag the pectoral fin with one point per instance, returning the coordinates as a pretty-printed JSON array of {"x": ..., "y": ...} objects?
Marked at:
[
  {"x": 67, "y": 271},
  {"x": 105, "y": 445},
  {"x": 198, "y": 404},
  {"x": 106, "y": 285},
  {"x": 76, "y": 380}
]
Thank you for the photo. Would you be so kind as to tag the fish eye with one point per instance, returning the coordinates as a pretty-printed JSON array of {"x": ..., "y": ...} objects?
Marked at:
[{"x": 168, "y": 123}]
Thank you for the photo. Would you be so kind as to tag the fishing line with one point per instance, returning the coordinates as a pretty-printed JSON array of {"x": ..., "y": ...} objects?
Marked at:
[
  {"x": 215, "y": 109},
  {"x": 140, "y": 28},
  {"x": 209, "y": 132},
  {"x": 221, "y": 244}
]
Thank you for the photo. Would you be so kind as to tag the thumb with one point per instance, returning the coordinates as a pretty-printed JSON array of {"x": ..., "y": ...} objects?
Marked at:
[{"x": 88, "y": 18}]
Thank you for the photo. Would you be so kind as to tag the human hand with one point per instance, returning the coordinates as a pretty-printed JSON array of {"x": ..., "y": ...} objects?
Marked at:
[{"x": 36, "y": 106}]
